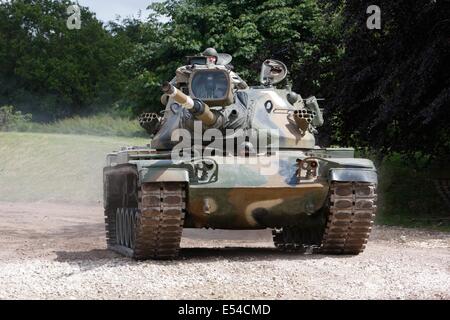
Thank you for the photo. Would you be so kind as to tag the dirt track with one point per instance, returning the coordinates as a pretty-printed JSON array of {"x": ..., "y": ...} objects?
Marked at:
[{"x": 58, "y": 252}]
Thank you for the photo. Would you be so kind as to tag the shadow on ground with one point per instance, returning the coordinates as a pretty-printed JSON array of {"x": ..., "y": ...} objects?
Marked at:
[{"x": 189, "y": 256}]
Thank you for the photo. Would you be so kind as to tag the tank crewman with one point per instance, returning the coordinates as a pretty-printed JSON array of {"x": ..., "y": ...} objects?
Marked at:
[{"x": 211, "y": 55}]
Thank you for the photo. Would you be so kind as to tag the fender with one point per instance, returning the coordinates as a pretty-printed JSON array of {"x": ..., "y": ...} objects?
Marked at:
[
  {"x": 353, "y": 175},
  {"x": 163, "y": 175}
]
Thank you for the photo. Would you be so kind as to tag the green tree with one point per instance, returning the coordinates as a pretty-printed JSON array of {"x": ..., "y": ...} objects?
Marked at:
[
  {"x": 393, "y": 91},
  {"x": 52, "y": 71},
  {"x": 304, "y": 34}
]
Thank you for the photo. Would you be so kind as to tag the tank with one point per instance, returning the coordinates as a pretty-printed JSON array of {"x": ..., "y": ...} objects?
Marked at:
[{"x": 224, "y": 155}]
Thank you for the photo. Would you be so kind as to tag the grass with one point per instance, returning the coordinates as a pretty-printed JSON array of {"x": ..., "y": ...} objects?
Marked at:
[
  {"x": 99, "y": 125},
  {"x": 55, "y": 168}
]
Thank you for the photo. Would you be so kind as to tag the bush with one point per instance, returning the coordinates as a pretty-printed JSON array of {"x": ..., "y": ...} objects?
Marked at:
[
  {"x": 11, "y": 120},
  {"x": 408, "y": 194}
]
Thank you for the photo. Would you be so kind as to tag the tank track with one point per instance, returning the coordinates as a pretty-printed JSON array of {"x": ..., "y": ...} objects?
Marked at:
[
  {"x": 351, "y": 218},
  {"x": 351, "y": 215},
  {"x": 154, "y": 230}
]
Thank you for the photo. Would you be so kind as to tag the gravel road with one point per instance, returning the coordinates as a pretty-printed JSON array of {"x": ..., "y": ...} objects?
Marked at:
[{"x": 51, "y": 251}]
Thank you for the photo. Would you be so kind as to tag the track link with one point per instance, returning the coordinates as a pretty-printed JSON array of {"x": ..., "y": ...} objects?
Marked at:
[
  {"x": 110, "y": 226},
  {"x": 154, "y": 230},
  {"x": 351, "y": 218}
]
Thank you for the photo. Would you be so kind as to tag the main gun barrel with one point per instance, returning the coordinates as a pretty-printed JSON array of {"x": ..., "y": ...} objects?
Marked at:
[
  {"x": 198, "y": 108},
  {"x": 179, "y": 97}
]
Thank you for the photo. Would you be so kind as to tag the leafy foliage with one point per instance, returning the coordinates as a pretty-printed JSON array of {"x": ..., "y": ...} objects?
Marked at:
[
  {"x": 393, "y": 91},
  {"x": 52, "y": 71},
  {"x": 408, "y": 195}
]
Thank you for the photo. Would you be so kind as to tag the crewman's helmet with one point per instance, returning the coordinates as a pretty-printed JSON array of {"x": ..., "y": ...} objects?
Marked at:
[{"x": 212, "y": 55}]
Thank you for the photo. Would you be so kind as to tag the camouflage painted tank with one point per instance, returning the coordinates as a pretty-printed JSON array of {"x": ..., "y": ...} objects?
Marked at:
[{"x": 228, "y": 156}]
